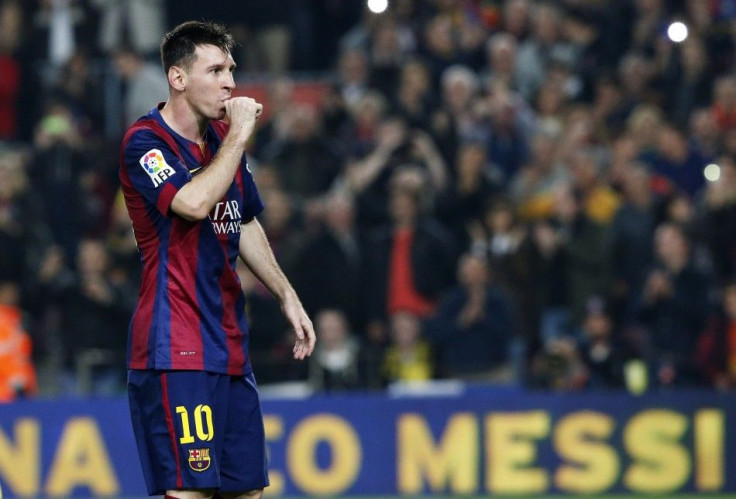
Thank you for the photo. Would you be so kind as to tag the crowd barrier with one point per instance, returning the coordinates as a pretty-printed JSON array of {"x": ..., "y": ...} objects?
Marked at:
[{"x": 463, "y": 440}]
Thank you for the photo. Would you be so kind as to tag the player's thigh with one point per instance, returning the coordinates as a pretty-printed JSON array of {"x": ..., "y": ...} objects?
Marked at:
[
  {"x": 244, "y": 465},
  {"x": 179, "y": 419}
]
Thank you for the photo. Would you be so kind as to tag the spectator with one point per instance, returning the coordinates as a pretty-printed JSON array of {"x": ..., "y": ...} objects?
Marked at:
[
  {"x": 354, "y": 76},
  {"x": 23, "y": 232},
  {"x": 514, "y": 262},
  {"x": 275, "y": 127},
  {"x": 439, "y": 46},
  {"x": 601, "y": 351},
  {"x": 408, "y": 357},
  {"x": 558, "y": 366},
  {"x": 95, "y": 316},
  {"x": 510, "y": 122},
  {"x": 387, "y": 54},
  {"x": 673, "y": 307},
  {"x": 333, "y": 257},
  {"x": 704, "y": 135},
  {"x": 396, "y": 146},
  {"x": 536, "y": 53},
  {"x": 10, "y": 69},
  {"x": 723, "y": 106},
  {"x": 17, "y": 372},
  {"x": 716, "y": 354},
  {"x": 365, "y": 119},
  {"x": 719, "y": 219},
  {"x": 677, "y": 162},
  {"x": 473, "y": 328},
  {"x": 146, "y": 84},
  {"x": 139, "y": 22},
  {"x": 461, "y": 206},
  {"x": 58, "y": 27},
  {"x": 82, "y": 92},
  {"x": 689, "y": 82},
  {"x": 517, "y": 18},
  {"x": 457, "y": 120},
  {"x": 414, "y": 95},
  {"x": 501, "y": 60},
  {"x": 336, "y": 363},
  {"x": 532, "y": 187},
  {"x": 408, "y": 261},
  {"x": 600, "y": 202},
  {"x": 575, "y": 266},
  {"x": 63, "y": 175},
  {"x": 609, "y": 109},
  {"x": 632, "y": 231},
  {"x": 306, "y": 162}
]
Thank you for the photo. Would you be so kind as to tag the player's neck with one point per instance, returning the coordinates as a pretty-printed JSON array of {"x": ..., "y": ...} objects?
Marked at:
[{"x": 184, "y": 121}]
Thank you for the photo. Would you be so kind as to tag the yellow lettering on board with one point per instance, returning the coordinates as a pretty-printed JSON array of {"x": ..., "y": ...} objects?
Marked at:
[
  {"x": 345, "y": 450},
  {"x": 661, "y": 463},
  {"x": 81, "y": 460},
  {"x": 579, "y": 438},
  {"x": 20, "y": 463},
  {"x": 454, "y": 462},
  {"x": 709, "y": 427},
  {"x": 511, "y": 451}
]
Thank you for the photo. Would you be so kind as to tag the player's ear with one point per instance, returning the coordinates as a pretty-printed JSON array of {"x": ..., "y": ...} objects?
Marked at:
[{"x": 177, "y": 78}]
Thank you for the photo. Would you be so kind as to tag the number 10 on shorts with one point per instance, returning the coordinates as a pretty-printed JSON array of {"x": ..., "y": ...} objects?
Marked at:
[{"x": 202, "y": 418}]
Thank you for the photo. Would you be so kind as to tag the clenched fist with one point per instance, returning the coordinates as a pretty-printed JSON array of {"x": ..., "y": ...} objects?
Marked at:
[{"x": 242, "y": 113}]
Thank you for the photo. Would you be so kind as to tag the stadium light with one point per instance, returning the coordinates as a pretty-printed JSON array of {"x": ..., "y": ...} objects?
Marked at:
[
  {"x": 677, "y": 32},
  {"x": 712, "y": 172},
  {"x": 377, "y": 6}
]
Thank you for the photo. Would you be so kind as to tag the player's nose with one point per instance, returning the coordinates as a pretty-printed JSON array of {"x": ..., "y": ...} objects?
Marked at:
[{"x": 229, "y": 81}]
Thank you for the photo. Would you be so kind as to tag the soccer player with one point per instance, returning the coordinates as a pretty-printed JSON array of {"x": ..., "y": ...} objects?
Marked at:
[{"x": 192, "y": 200}]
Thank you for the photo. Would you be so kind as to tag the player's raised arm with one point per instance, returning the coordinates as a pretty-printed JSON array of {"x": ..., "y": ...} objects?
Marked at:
[{"x": 195, "y": 200}]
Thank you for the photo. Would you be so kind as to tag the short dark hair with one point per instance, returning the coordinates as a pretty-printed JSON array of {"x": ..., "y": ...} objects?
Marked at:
[{"x": 179, "y": 44}]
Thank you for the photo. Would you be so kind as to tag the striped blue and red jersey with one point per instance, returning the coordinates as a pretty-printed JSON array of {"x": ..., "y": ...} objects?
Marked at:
[{"x": 191, "y": 309}]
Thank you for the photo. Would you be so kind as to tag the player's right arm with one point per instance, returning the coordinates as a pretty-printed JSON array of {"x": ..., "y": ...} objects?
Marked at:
[{"x": 196, "y": 198}]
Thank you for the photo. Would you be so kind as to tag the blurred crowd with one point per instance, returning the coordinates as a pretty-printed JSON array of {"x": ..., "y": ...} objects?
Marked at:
[{"x": 530, "y": 193}]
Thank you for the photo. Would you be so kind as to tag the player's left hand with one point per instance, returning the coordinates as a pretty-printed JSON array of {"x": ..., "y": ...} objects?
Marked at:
[{"x": 302, "y": 326}]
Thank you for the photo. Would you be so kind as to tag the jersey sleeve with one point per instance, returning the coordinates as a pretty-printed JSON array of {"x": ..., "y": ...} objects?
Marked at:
[
  {"x": 252, "y": 203},
  {"x": 154, "y": 170}
]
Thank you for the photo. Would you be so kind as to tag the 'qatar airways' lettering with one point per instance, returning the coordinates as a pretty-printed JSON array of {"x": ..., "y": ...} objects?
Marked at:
[{"x": 226, "y": 217}]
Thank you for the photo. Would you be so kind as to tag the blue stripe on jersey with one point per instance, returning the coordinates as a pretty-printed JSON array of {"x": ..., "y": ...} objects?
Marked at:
[
  {"x": 160, "y": 333},
  {"x": 209, "y": 295}
]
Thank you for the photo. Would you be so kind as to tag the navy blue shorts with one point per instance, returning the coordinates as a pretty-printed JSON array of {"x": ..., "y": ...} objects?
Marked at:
[{"x": 198, "y": 430}]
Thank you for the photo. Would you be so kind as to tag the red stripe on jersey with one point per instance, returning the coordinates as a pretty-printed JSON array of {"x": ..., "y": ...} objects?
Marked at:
[
  {"x": 234, "y": 338},
  {"x": 155, "y": 127},
  {"x": 172, "y": 433},
  {"x": 239, "y": 181},
  {"x": 196, "y": 151},
  {"x": 166, "y": 197},
  {"x": 186, "y": 331},
  {"x": 228, "y": 280},
  {"x": 220, "y": 128},
  {"x": 230, "y": 289}
]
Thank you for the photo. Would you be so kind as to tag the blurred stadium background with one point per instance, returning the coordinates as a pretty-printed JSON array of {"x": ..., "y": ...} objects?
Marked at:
[{"x": 512, "y": 221}]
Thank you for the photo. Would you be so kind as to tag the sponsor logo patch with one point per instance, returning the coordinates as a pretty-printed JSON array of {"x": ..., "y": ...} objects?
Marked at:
[
  {"x": 199, "y": 459},
  {"x": 155, "y": 165}
]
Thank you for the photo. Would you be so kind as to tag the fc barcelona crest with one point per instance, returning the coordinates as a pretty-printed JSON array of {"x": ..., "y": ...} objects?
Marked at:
[{"x": 199, "y": 459}]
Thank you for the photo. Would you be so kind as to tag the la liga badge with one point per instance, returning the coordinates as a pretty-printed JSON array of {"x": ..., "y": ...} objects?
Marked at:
[
  {"x": 199, "y": 459},
  {"x": 155, "y": 165}
]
